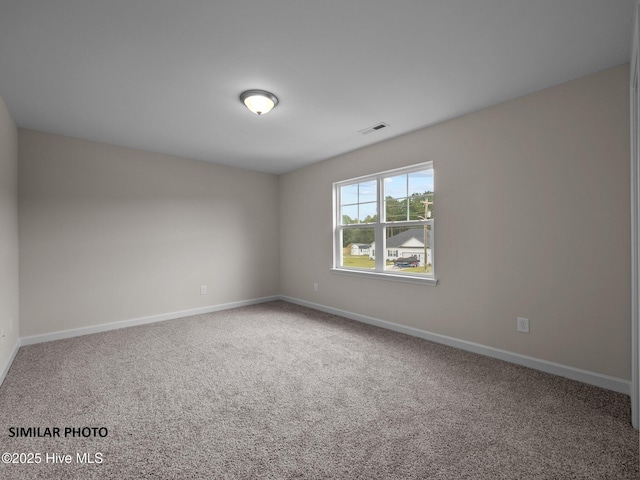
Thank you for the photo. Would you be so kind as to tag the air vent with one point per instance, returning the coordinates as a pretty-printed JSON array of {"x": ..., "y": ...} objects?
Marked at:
[{"x": 377, "y": 126}]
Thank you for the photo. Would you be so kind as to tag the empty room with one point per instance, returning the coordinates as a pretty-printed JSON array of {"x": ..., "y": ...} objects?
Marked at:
[{"x": 299, "y": 239}]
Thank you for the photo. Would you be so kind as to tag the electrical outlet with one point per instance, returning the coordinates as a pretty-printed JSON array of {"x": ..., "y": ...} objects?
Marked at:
[
  {"x": 523, "y": 325},
  {"x": 316, "y": 287},
  {"x": 203, "y": 290}
]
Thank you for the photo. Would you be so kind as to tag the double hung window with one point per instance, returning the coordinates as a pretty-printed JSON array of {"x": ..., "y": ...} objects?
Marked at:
[{"x": 384, "y": 224}]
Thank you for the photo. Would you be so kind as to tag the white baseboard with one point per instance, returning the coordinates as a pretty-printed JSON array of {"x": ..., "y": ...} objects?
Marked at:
[
  {"x": 76, "y": 332},
  {"x": 597, "y": 379},
  {"x": 7, "y": 365}
]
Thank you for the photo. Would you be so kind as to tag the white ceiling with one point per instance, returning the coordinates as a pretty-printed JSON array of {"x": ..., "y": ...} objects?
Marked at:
[{"x": 165, "y": 75}]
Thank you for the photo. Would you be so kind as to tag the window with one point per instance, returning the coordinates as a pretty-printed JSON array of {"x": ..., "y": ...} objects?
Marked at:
[{"x": 391, "y": 213}]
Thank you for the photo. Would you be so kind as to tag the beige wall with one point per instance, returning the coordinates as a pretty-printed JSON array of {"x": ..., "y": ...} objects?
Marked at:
[
  {"x": 532, "y": 220},
  {"x": 110, "y": 233},
  {"x": 8, "y": 234}
]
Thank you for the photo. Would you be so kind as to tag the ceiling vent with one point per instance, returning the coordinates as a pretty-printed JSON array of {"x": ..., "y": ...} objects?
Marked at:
[{"x": 377, "y": 126}]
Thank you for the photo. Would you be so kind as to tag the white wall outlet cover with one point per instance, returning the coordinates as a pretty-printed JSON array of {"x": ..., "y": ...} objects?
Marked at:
[
  {"x": 523, "y": 325},
  {"x": 203, "y": 290}
]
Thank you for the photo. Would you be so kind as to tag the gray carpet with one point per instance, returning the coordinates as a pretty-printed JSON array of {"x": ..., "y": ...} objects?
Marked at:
[{"x": 279, "y": 391}]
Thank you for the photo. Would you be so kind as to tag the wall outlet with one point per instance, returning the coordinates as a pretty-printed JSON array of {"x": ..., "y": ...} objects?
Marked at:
[
  {"x": 316, "y": 287},
  {"x": 523, "y": 325},
  {"x": 203, "y": 289}
]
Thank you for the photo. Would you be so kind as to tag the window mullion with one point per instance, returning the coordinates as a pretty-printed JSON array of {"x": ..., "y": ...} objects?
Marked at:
[
  {"x": 337, "y": 219},
  {"x": 379, "y": 228},
  {"x": 407, "y": 199},
  {"x": 358, "y": 204}
]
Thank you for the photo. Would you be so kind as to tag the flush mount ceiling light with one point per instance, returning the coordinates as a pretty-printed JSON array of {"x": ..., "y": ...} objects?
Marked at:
[{"x": 259, "y": 101}]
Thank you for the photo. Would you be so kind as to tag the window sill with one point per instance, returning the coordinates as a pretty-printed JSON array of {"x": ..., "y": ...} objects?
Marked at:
[{"x": 393, "y": 277}]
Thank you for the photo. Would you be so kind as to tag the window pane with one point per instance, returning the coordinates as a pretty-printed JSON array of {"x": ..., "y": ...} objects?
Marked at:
[
  {"x": 368, "y": 212},
  {"x": 420, "y": 182},
  {"x": 349, "y": 194},
  {"x": 358, "y": 203},
  {"x": 395, "y": 187},
  {"x": 421, "y": 206},
  {"x": 406, "y": 250},
  {"x": 358, "y": 247},
  {"x": 396, "y": 209},
  {"x": 367, "y": 192},
  {"x": 349, "y": 214},
  {"x": 421, "y": 195}
]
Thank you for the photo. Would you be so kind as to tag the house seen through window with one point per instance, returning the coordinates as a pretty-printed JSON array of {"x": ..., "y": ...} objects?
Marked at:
[{"x": 384, "y": 224}]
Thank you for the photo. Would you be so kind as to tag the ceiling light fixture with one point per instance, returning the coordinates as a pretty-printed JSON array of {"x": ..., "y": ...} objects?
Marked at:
[{"x": 259, "y": 101}]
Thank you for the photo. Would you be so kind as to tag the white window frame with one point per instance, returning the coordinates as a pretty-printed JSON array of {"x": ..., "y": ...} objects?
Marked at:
[{"x": 379, "y": 271}]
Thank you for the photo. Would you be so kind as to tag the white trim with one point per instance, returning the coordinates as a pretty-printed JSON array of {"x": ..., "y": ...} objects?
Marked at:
[
  {"x": 592, "y": 378},
  {"x": 394, "y": 277},
  {"x": 76, "y": 332},
  {"x": 7, "y": 365}
]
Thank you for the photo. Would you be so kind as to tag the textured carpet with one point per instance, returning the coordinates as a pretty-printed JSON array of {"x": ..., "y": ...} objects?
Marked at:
[{"x": 279, "y": 391}]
